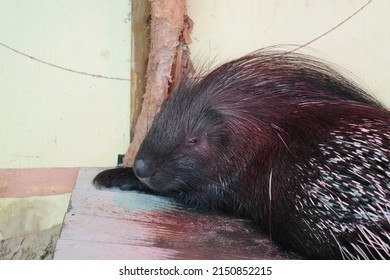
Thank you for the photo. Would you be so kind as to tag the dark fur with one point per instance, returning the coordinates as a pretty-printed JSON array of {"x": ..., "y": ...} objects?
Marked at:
[{"x": 283, "y": 140}]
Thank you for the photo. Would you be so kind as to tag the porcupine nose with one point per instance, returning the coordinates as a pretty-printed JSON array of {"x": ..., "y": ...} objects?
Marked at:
[{"x": 143, "y": 170}]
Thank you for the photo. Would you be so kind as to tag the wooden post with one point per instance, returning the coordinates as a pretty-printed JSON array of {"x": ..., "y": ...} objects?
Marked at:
[
  {"x": 140, "y": 29},
  {"x": 168, "y": 19}
]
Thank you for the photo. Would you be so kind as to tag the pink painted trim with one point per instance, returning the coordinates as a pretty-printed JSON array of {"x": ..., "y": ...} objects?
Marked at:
[{"x": 37, "y": 181}]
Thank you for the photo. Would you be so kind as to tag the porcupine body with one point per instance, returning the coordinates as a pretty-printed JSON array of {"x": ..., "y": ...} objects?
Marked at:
[{"x": 280, "y": 139}]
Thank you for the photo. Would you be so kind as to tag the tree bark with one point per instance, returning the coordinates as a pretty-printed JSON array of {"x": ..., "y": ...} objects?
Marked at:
[{"x": 168, "y": 37}]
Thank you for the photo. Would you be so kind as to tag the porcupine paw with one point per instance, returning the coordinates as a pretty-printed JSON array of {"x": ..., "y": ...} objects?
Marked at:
[{"x": 122, "y": 178}]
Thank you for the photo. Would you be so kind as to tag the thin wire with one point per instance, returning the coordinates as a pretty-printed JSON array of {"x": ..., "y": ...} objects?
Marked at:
[
  {"x": 61, "y": 67},
  {"x": 126, "y": 79},
  {"x": 332, "y": 29}
]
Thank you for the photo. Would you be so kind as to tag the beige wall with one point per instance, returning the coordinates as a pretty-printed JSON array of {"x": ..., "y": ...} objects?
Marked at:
[
  {"x": 53, "y": 118},
  {"x": 228, "y": 28}
]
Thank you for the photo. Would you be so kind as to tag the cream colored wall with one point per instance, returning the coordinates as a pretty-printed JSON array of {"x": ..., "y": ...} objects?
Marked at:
[
  {"x": 51, "y": 117},
  {"x": 228, "y": 28},
  {"x": 54, "y": 118}
]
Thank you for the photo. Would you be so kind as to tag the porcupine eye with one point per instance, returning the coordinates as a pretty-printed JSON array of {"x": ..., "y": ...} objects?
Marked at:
[{"x": 192, "y": 141}]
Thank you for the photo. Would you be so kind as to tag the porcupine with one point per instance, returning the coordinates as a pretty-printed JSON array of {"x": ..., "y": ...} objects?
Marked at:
[{"x": 279, "y": 138}]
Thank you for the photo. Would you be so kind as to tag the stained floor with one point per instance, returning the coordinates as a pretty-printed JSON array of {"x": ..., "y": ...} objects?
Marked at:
[{"x": 110, "y": 224}]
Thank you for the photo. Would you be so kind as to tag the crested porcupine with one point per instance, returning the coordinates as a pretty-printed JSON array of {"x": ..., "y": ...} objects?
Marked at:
[{"x": 283, "y": 140}]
